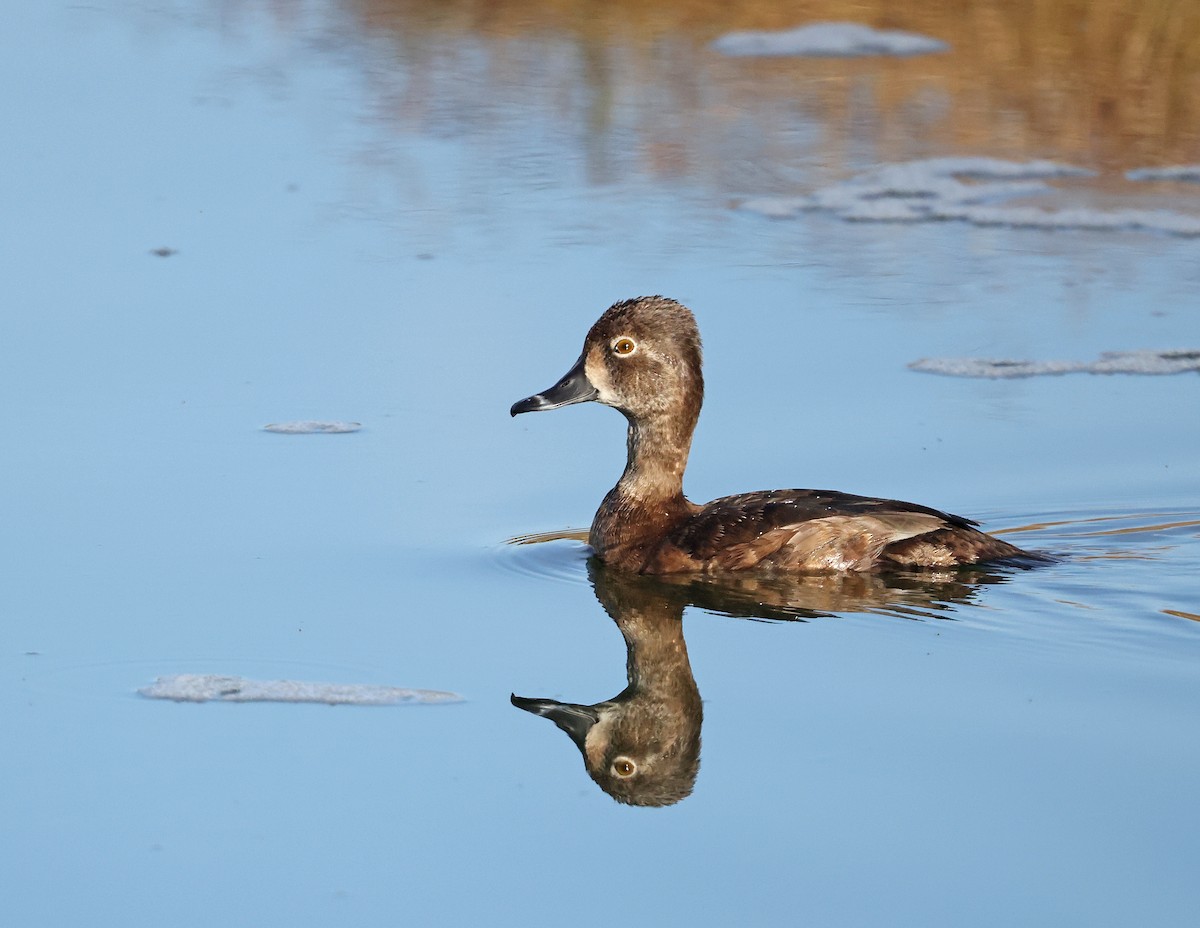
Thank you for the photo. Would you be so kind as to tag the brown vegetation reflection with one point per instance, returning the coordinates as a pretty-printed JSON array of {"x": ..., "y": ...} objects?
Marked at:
[
  {"x": 1109, "y": 84},
  {"x": 642, "y": 746}
]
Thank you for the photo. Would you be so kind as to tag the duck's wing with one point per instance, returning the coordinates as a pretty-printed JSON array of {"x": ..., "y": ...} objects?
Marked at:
[{"x": 806, "y": 530}]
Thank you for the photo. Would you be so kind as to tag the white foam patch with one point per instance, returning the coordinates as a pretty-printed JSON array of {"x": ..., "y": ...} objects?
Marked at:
[
  {"x": 1188, "y": 172},
  {"x": 968, "y": 190},
  {"x": 1110, "y": 362},
  {"x": 312, "y": 427},
  {"x": 827, "y": 40},
  {"x": 191, "y": 687}
]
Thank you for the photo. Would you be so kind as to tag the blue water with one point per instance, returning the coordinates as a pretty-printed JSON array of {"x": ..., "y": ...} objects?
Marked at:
[{"x": 1023, "y": 753}]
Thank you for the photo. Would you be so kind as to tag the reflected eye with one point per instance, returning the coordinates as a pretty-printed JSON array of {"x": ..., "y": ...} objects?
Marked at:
[
  {"x": 624, "y": 767},
  {"x": 624, "y": 345}
]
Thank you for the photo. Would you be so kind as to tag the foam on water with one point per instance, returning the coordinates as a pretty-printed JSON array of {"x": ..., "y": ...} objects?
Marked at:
[
  {"x": 1110, "y": 362},
  {"x": 969, "y": 190},
  {"x": 206, "y": 687},
  {"x": 1185, "y": 172},
  {"x": 312, "y": 427},
  {"x": 827, "y": 40}
]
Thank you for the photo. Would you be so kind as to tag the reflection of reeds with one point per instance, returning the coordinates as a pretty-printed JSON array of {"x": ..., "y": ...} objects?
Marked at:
[{"x": 1107, "y": 83}]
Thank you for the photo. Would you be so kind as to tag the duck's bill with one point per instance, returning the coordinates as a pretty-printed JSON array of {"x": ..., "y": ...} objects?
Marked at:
[
  {"x": 574, "y": 719},
  {"x": 573, "y": 388}
]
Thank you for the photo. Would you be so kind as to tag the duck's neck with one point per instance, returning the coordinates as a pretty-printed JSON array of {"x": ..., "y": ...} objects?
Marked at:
[
  {"x": 657, "y": 455},
  {"x": 648, "y": 500}
]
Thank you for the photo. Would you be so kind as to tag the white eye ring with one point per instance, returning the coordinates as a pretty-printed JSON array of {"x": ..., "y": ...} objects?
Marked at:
[
  {"x": 623, "y": 346},
  {"x": 624, "y": 768}
]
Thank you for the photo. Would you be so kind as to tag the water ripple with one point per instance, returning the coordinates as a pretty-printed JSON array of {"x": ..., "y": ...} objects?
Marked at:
[
  {"x": 1145, "y": 535},
  {"x": 559, "y": 555}
]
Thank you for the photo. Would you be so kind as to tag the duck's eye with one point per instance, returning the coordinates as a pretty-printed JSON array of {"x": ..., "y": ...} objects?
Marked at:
[
  {"x": 624, "y": 345},
  {"x": 624, "y": 767}
]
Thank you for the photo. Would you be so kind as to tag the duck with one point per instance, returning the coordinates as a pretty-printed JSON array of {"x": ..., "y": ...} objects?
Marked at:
[{"x": 643, "y": 358}]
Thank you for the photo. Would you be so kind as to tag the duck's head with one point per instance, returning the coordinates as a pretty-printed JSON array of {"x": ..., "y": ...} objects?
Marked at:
[{"x": 641, "y": 357}]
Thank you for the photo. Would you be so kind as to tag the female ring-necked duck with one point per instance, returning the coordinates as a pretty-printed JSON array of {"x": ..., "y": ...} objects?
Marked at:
[{"x": 643, "y": 357}]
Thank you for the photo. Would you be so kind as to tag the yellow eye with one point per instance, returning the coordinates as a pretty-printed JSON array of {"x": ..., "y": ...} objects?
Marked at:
[
  {"x": 624, "y": 767},
  {"x": 624, "y": 345}
]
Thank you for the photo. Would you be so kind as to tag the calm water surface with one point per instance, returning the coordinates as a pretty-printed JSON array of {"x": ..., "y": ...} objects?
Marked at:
[{"x": 409, "y": 220}]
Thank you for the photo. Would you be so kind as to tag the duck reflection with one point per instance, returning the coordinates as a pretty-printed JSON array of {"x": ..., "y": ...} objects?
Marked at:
[
  {"x": 642, "y": 746},
  {"x": 916, "y": 594}
]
